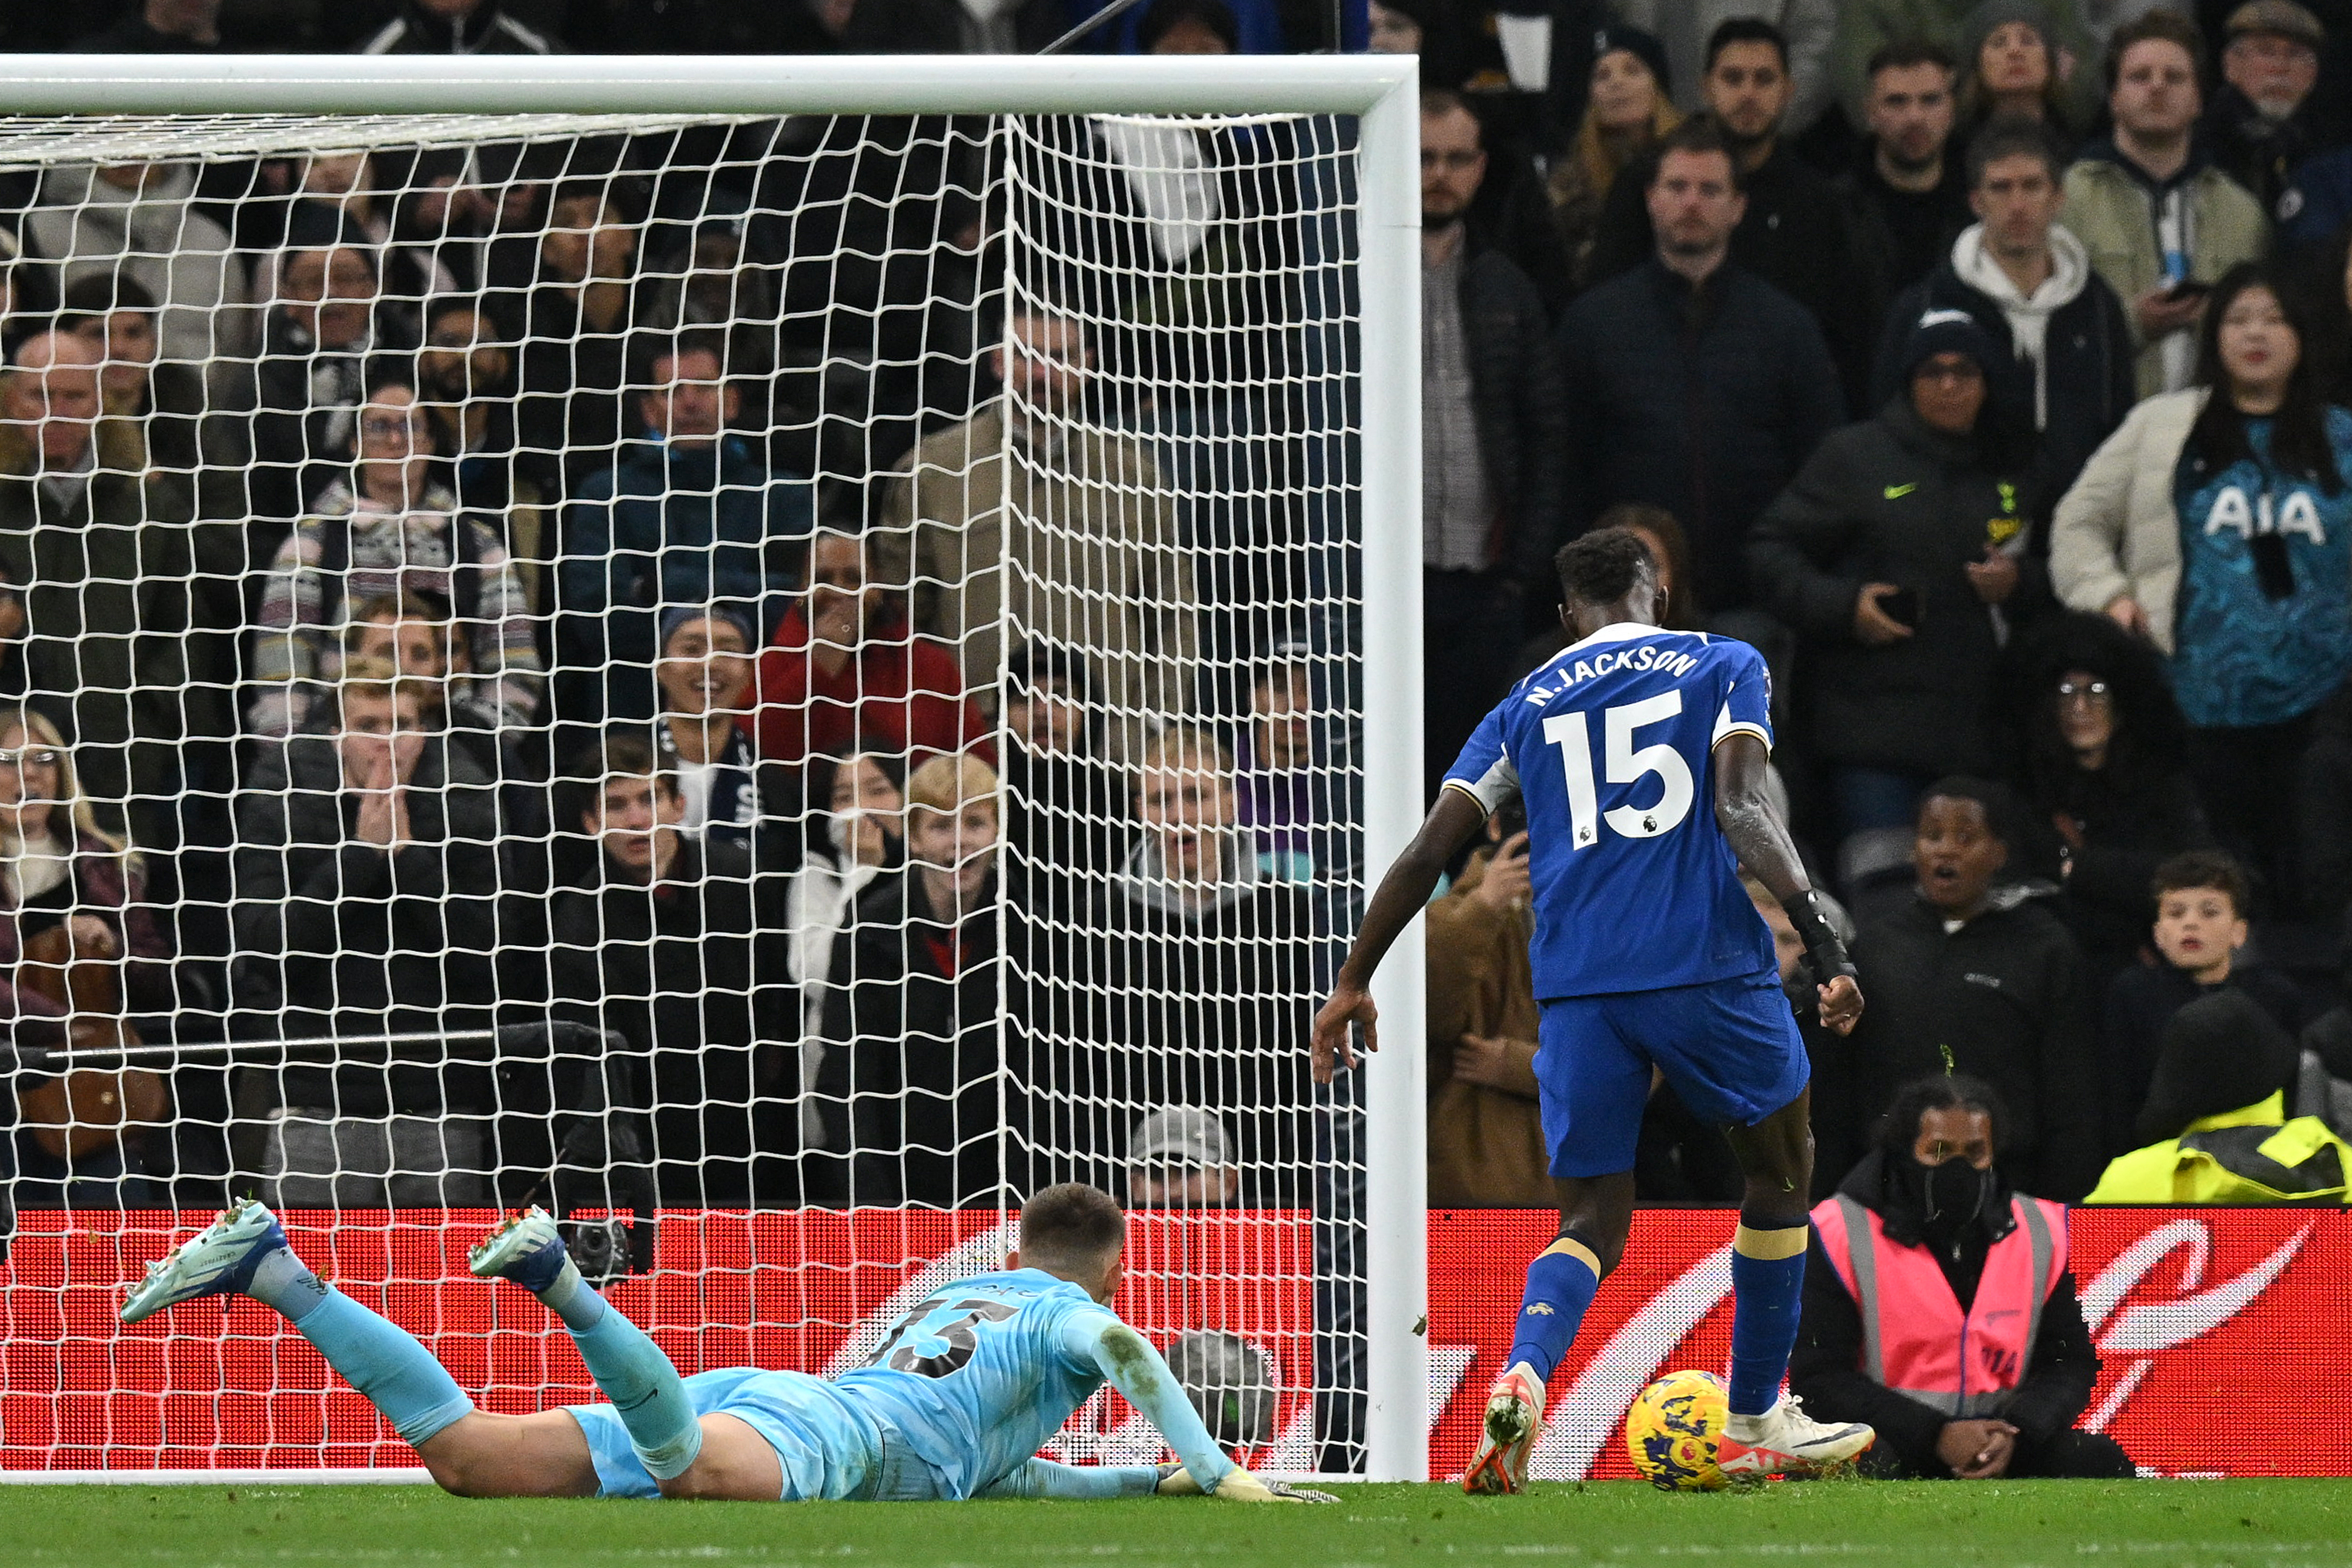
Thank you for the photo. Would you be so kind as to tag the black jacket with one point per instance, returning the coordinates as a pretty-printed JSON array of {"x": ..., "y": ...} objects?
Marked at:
[
  {"x": 1515, "y": 400},
  {"x": 910, "y": 1080},
  {"x": 1890, "y": 501},
  {"x": 336, "y": 936},
  {"x": 2258, "y": 153},
  {"x": 2004, "y": 995},
  {"x": 1900, "y": 235},
  {"x": 1825, "y": 1369},
  {"x": 696, "y": 976},
  {"x": 2090, "y": 374},
  {"x": 1705, "y": 402},
  {"x": 1796, "y": 235}
]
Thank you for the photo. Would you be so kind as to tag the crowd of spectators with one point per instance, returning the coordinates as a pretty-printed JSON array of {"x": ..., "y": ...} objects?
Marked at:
[{"x": 480, "y": 601}]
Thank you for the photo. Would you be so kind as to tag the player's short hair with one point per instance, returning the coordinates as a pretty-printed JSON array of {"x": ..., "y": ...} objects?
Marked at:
[
  {"x": 1071, "y": 1227},
  {"x": 2203, "y": 868},
  {"x": 2013, "y": 136},
  {"x": 1602, "y": 566},
  {"x": 1937, "y": 1092},
  {"x": 1698, "y": 134}
]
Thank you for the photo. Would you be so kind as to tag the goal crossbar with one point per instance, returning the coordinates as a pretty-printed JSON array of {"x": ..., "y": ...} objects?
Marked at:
[{"x": 63, "y": 96}]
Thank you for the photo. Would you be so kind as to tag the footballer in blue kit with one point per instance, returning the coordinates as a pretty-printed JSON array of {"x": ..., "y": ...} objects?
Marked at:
[
  {"x": 1640, "y": 754},
  {"x": 954, "y": 1403}
]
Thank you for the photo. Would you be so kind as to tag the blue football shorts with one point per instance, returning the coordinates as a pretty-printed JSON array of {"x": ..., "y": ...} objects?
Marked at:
[
  {"x": 1730, "y": 1048},
  {"x": 826, "y": 1451}
]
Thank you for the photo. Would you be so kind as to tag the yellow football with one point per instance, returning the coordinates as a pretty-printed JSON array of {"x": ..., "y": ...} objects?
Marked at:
[{"x": 1671, "y": 1431}]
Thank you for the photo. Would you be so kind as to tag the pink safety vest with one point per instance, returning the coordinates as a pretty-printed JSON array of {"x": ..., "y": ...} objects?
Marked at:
[{"x": 1914, "y": 1339}]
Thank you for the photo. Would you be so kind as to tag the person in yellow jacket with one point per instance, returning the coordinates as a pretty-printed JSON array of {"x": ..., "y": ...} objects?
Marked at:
[{"x": 2216, "y": 1121}]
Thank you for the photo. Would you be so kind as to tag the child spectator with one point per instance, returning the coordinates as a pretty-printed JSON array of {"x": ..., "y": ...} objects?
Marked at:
[{"x": 2200, "y": 925}]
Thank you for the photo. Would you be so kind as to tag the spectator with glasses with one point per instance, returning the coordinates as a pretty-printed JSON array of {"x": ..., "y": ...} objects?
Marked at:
[{"x": 389, "y": 527}]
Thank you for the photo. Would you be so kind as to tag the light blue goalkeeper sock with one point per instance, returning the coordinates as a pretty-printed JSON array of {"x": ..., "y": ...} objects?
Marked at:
[
  {"x": 1561, "y": 1283},
  {"x": 645, "y": 1390},
  {"x": 384, "y": 1362},
  {"x": 1768, "y": 1287}
]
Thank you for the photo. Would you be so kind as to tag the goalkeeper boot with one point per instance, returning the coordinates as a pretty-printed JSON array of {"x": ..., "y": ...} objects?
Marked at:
[
  {"x": 1515, "y": 1413},
  {"x": 217, "y": 1261},
  {"x": 1785, "y": 1441},
  {"x": 526, "y": 1248}
]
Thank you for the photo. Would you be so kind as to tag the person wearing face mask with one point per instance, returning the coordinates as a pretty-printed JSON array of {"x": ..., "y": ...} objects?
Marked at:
[{"x": 1940, "y": 1309}]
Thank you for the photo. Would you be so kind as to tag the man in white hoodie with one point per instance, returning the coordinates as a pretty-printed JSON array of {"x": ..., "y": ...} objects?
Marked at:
[{"x": 2028, "y": 283}]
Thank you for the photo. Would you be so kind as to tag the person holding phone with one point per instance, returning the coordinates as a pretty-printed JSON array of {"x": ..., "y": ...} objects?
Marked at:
[
  {"x": 2217, "y": 524},
  {"x": 1899, "y": 557}
]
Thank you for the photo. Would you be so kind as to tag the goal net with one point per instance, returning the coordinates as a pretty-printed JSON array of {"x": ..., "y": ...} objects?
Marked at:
[{"x": 771, "y": 682}]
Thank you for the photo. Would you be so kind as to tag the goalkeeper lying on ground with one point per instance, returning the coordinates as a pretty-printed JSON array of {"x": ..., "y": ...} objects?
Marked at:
[{"x": 954, "y": 1405}]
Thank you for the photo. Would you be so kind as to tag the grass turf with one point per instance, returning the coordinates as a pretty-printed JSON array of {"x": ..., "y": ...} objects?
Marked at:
[{"x": 1995, "y": 1524}]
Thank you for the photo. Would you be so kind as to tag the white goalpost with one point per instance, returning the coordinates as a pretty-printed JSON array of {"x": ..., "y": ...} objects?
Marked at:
[{"x": 771, "y": 653}]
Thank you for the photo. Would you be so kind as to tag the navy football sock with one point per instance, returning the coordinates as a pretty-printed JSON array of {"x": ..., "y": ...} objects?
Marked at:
[
  {"x": 1768, "y": 1284},
  {"x": 1560, "y": 1286}
]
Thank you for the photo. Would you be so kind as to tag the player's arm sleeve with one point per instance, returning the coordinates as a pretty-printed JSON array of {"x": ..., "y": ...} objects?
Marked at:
[
  {"x": 1130, "y": 1364},
  {"x": 1746, "y": 703},
  {"x": 1045, "y": 1478},
  {"x": 1484, "y": 771}
]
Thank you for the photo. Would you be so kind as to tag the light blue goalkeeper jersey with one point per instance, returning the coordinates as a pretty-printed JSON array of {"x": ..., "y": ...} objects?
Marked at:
[{"x": 977, "y": 1378}]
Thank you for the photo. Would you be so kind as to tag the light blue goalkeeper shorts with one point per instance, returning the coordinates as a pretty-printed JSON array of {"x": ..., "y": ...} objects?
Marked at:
[{"x": 829, "y": 1450}]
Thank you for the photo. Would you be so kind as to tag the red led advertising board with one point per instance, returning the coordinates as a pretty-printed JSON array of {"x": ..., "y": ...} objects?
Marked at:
[{"x": 2203, "y": 1318}]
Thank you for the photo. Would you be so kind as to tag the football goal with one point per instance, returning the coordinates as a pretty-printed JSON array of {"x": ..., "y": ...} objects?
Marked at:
[{"x": 772, "y": 654}]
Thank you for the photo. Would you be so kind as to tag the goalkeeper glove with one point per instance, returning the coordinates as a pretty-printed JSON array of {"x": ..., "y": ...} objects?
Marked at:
[{"x": 1239, "y": 1485}]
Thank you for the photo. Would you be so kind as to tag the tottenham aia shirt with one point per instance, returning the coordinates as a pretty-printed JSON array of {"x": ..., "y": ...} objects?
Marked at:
[{"x": 1611, "y": 746}]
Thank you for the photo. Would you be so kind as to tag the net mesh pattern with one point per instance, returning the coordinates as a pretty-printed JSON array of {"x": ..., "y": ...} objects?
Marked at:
[{"x": 774, "y": 687}]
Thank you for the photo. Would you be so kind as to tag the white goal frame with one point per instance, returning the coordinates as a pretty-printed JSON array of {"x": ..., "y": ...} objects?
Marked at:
[{"x": 1381, "y": 91}]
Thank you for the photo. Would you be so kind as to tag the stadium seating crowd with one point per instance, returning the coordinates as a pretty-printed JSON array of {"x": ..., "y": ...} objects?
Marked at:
[{"x": 434, "y": 613}]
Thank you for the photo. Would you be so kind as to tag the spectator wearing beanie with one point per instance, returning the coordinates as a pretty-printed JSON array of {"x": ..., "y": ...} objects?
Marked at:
[
  {"x": 1899, "y": 558},
  {"x": 1974, "y": 976},
  {"x": 1626, "y": 113},
  {"x": 2065, "y": 352},
  {"x": 2010, "y": 69}
]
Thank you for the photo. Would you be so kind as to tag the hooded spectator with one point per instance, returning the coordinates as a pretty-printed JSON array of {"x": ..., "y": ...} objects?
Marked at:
[
  {"x": 2065, "y": 364},
  {"x": 2215, "y": 1124},
  {"x": 2161, "y": 223},
  {"x": 1900, "y": 556},
  {"x": 2097, "y": 752}
]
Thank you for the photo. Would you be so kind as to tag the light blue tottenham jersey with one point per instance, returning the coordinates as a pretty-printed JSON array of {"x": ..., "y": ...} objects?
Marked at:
[
  {"x": 1611, "y": 746},
  {"x": 978, "y": 1377}
]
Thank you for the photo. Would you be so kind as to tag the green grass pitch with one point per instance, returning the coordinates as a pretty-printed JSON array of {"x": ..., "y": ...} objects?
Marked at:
[{"x": 1994, "y": 1524}]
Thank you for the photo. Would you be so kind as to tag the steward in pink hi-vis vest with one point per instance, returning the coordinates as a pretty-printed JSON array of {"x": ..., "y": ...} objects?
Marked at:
[{"x": 1914, "y": 1339}]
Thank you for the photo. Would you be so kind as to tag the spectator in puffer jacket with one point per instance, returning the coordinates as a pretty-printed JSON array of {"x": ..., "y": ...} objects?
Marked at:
[{"x": 1899, "y": 555}]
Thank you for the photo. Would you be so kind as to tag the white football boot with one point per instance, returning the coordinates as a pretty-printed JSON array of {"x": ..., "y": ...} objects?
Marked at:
[
  {"x": 217, "y": 1261},
  {"x": 1785, "y": 1441},
  {"x": 1515, "y": 1412}
]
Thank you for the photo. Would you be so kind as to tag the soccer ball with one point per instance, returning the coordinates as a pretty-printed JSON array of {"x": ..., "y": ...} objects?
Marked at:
[
  {"x": 1230, "y": 1382},
  {"x": 1671, "y": 1431}
]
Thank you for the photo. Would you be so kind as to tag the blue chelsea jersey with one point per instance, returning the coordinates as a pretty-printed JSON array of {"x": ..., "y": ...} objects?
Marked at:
[
  {"x": 1612, "y": 746},
  {"x": 976, "y": 1379}
]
